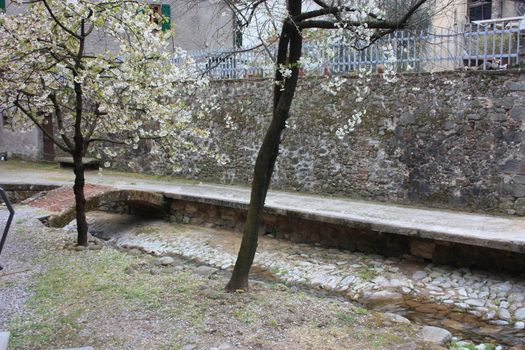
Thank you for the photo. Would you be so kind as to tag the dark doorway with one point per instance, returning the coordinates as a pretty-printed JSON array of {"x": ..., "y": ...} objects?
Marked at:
[{"x": 49, "y": 147}]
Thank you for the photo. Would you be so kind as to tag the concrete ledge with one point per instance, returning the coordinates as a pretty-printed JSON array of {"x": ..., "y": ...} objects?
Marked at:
[
  {"x": 465, "y": 228},
  {"x": 438, "y": 235}
]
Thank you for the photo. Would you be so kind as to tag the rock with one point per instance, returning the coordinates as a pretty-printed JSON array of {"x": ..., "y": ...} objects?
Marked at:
[
  {"x": 475, "y": 302},
  {"x": 502, "y": 287},
  {"x": 436, "y": 335},
  {"x": 134, "y": 251},
  {"x": 462, "y": 291},
  {"x": 80, "y": 248},
  {"x": 164, "y": 261},
  {"x": 520, "y": 313},
  {"x": 419, "y": 275},
  {"x": 519, "y": 325},
  {"x": 397, "y": 318},
  {"x": 504, "y": 314},
  {"x": 225, "y": 346},
  {"x": 205, "y": 270},
  {"x": 188, "y": 347},
  {"x": 383, "y": 297},
  {"x": 347, "y": 280},
  {"x": 516, "y": 298},
  {"x": 395, "y": 283},
  {"x": 499, "y": 322}
]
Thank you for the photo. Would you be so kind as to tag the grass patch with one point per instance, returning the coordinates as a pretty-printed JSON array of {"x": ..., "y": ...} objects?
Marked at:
[
  {"x": 81, "y": 284},
  {"x": 345, "y": 317}
]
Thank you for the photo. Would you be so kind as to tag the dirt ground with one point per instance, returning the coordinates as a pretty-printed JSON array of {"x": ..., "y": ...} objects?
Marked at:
[{"x": 51, "y": 297}]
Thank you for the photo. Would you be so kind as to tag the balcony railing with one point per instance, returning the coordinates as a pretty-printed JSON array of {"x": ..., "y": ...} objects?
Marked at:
[{"x": 484, "y": 45}]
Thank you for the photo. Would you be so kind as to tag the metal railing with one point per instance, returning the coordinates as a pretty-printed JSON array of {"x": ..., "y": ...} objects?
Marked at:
[
  {"x": 3, "y": 194},
  {"x": 493, "y": 44}
]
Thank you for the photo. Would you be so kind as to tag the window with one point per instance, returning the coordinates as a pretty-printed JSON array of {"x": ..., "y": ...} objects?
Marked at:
[
  {"x": 162, "y": 15},
  {"x": 237, "y": 37},
  {"x": 520, "y": 8},
  {"x": 479, "y": 10}
]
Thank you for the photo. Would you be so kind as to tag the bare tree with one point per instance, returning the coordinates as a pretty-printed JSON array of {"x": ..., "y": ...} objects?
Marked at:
[{"x": 355, "y": 17}]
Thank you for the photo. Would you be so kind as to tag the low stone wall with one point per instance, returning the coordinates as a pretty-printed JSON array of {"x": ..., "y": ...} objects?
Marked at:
[
  {"x": 19, "y": 193},
  {"x": 452, "y": 140},
  {"x": 355, "y": 237}
]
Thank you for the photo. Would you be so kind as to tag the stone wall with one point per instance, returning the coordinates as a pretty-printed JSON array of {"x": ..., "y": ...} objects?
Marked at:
[{"x": 453, "y": 140}]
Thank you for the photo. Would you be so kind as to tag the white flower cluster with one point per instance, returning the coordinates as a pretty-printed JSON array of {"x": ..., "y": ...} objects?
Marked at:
[
  {"x": 286, "y": 73},
  {"x": 129, "y": 95},
  {"x": 390, "y": 58},
  {"x": 350, "y": 125},
  {"x": 334, "y": 85},
  {"x": 229, "y": 122}
]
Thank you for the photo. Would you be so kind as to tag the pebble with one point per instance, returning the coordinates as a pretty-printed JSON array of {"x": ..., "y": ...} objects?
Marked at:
[
  {"x": 519, "y": 325},
  {"x": 520, "y": 313},
  {"x": 397, "y": 318},
  {"x": 205, "y": 270},
  {"x": 504, "y": 314},
  {"x": 419, "y": 275},
  {"x": 384, "y": 296},
  {"x": 483, "y": 294},
  {"x": 475, "y": 302},
  {"x": 436, "y": 335},
  {"x": 164, "y": 261}
]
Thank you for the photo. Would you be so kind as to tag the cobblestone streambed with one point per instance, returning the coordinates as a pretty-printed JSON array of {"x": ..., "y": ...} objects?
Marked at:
[{"x": 477, "y": 306}]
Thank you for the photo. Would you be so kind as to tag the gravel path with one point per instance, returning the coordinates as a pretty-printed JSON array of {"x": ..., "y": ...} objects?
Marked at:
[{"x": 18, "y": 261}]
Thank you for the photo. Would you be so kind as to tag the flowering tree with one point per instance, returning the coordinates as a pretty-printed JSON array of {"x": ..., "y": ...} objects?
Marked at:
[
  {"x": 353, "y": 22},
  {"x": 57, "y": 65}
]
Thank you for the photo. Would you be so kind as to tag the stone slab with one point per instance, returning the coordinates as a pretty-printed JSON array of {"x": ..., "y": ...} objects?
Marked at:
[
  {"x": 4, "y": 340},
  {"x": 496, "y": 232}
]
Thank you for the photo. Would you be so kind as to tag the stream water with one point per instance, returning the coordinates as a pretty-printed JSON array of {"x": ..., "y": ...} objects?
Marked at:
[{"x": 218, "y": 248}]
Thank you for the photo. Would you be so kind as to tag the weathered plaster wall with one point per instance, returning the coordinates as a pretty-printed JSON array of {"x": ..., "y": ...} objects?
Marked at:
[
  {"x": 448, "y": 140},
  {"x": 27, "y": 145}
]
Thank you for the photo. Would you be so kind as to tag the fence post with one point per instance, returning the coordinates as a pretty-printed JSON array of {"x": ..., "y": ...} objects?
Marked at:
[{"x": 3, "y": 194}]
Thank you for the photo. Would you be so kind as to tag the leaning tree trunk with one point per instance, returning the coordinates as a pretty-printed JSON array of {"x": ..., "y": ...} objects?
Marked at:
[
  {"x": 80, "y": 201},
  {"x": 289, "y": 53}
]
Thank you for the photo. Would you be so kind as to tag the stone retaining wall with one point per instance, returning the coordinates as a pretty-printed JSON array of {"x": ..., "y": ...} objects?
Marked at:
[
  {"x": 19, "y": 193},
  {"x": 355, "y": 237},
  {"x": 452, "y": 140}
]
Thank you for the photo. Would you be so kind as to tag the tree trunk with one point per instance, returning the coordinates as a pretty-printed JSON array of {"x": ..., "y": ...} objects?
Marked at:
[
  {"x": 80, "y": 201},
  {"x": 289, "y": 53}
]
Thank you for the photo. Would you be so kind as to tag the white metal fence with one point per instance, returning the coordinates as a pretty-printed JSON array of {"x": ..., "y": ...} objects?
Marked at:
[{"x": 493, "y": 44}]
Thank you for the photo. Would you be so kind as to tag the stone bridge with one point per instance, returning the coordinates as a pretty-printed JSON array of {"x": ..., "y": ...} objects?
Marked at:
[{"x": 61, "y": 201}]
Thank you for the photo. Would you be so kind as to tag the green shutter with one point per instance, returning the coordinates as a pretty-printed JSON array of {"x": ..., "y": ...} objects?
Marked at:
[
  {"x": 2, "y": 5},
  {"x": 166, "y": 14}
]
